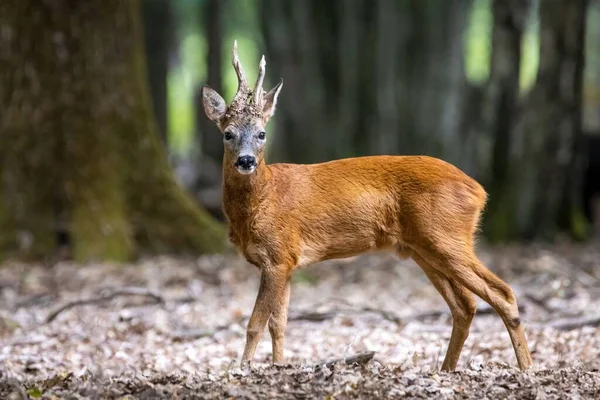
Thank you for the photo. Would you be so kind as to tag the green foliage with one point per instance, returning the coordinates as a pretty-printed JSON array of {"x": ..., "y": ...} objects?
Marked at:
[
  {"x": 34, "y": 392},
  {"x": 530, "y": 55},
  {"x": 184, "y": 79},
  {"x": 180, "y": 92},
  {"x": 478, "y": 46},
  {"x": 478, "y": 38}
]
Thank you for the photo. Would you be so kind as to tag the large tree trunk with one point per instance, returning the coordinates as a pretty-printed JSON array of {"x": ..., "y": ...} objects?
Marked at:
[
  {"x": 364, "y": 77},
  {"x": 549, "y": 132},
  {"x": 158, "y": 40},
  {"x": 80, "y": 149}
]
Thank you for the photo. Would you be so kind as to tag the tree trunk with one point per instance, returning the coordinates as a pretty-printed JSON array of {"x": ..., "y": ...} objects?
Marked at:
[
  {"x": 210, "y": 155},
  {"x": 158, "y": 39},
  {"x": 80, "y": 147},
  {"x": 549, "y": 132},
  {"x": 363, "y": 77},
  {"x": 501, "y": 112},
  {"x": 8, "y": 234},
  {"x": 210, "y": 137}
]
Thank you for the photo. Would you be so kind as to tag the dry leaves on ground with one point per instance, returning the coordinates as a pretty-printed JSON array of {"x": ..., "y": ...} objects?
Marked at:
[{"x": 172, "y": 328}]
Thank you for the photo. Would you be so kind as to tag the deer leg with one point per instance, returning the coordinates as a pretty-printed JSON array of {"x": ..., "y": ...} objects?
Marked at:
[
  {"x": 270, "y": 294},
  {"x": 278, "y": 323},
  {"x": 461, "y": 265},
  {"x": 462, "y": 306}
]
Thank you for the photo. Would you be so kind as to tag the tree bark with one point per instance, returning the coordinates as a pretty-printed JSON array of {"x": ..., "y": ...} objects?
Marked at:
[
  {"x": 157, "y": 16},
  {"x": 8, "y": 234},
  {"x": 500, "y": 114},
  {"x": 80, "y": 147},
  {"x": 363, "y": 77},
  {"x": 210, "y": 137},
  {"x": 210, "y": 155},
  {"x": 549, "y": 131}
]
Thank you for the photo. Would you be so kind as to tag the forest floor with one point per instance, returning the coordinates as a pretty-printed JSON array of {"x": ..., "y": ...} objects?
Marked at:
[{"x": 173, "y": 328}]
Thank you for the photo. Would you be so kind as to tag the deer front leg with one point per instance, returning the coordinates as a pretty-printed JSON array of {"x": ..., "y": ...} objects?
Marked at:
[
  {"x": 271, "y": 294},
  {"x": 278, "y": 323}
]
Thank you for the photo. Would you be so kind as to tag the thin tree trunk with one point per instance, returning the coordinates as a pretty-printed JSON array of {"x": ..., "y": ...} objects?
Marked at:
[
  {"x": 210, "y": 155},
  {"x": 571, "y": 214},
  {"x": 79, "y": 143},
  {"x": 8, "y": 234},
  {"x": 157, "y": 16},
  {"x": 501, "y": 112},
  {"x": 551, "y": 126},
  {"x": 363, "y": 77},
  {"x": 209, "y": 136}
]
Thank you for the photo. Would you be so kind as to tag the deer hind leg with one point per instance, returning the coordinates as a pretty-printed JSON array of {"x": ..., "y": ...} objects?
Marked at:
[
  {"x": 462, "y": 306},
  {"x": 278, "y": 323},
  {"x": 272, "y": 290},
  {"x": 460, "y": 264}
]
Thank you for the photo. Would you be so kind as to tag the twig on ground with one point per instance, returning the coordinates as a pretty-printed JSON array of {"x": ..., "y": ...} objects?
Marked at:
[
  {"x": 313, "y": 316},
  {"x": 30, "y": 342},
  {"x": 568, "y": 324},
  {"x": 539, "y": 301},
  {"x": 34, "y": 300},
  {"x": 133, "y": 291},
  {"x": 360, "y": 358},
  {"x": 193, "y": 334},
  {"x": 485, "y": 310},
  {"x": 106, "y": 296},
  {"x": 327, "y": 315},
  {"x": 387, "y": 315}
]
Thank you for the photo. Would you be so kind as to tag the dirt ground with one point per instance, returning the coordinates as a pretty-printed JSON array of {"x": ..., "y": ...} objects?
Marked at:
[{"x": 172, "y": 328}]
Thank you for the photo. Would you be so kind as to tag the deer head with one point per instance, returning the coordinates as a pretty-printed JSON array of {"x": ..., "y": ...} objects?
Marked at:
[{"x": 243, "y": 123}]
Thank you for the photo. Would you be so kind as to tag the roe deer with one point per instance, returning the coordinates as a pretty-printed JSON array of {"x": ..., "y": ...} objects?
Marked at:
[{"x": 285, "y": 216}]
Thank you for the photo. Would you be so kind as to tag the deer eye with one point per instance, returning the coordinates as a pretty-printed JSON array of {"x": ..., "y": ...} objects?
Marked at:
[
  {"x": 228, "y": 135},
  {"x": 262, "y": 135}
]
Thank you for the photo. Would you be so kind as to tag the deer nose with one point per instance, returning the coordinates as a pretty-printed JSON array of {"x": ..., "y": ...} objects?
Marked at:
[{"x": 246, "y": 162}]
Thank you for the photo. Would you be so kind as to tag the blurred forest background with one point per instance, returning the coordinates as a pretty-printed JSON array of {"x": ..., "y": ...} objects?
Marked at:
[{"x": 105, "y": 152}]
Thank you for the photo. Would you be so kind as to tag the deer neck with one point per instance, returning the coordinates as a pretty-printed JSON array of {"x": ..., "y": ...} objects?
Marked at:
[{"x": 243, "y": 195}]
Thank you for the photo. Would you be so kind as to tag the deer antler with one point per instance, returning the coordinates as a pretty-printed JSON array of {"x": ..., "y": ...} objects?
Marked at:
[
  {"x": 258, "y": 90},
  {"x": 243, "y": 88}
]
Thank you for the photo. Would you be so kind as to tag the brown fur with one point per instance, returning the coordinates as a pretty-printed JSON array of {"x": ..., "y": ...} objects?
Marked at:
[{"x": 285, "y": 216}]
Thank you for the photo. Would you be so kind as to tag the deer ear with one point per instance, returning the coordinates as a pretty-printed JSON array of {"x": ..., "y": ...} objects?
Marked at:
[
  {"x": 214, "y": 105},
  {"x": 271, "y": 101}
]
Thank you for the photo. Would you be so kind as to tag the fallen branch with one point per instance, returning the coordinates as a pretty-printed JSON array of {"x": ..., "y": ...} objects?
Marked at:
[
  {"x": 485, "y": 310},
  {"x": 387, "y": 315},
  {"x": 193, "y": 334},
  {"x": 568, "y": 324},
  {"x": 313, "y": 316},
  {"x": 360, "y": 358},
  {"x": 104, "y": 297},
  {"x": 326, "y": 315},
  {"x": 34, "y": 300},
  {"x": 539, "y": 301}
]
